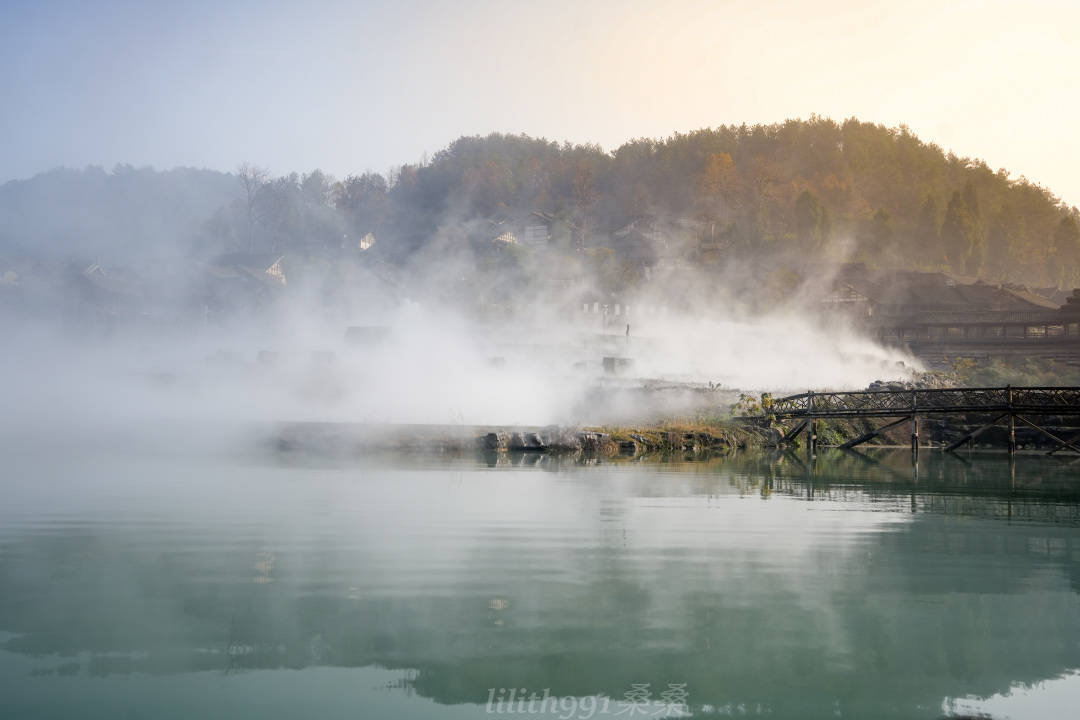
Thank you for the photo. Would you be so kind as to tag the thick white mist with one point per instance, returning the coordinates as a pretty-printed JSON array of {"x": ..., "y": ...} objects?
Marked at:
[
  {"x": 430, "y": 366},
  {"x": 769, "y": 353}
]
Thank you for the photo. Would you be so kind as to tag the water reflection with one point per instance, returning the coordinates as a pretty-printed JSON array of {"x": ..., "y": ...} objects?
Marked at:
[{"x": 850, "y": 585}]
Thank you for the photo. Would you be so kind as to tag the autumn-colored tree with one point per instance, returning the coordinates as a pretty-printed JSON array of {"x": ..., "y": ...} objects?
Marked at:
[
  {"x": 811, "y": 222},
  {"x": 719, "y": 179}
]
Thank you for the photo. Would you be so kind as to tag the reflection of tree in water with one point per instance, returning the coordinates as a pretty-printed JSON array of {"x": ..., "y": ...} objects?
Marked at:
[{"x": 941, "y": 604}]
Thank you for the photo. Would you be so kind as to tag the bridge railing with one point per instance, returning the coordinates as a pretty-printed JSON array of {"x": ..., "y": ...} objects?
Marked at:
[{"x": 884, "y": 403}]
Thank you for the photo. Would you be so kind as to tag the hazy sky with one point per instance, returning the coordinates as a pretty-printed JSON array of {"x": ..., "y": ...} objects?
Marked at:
[{"x": 350, "y": 86}]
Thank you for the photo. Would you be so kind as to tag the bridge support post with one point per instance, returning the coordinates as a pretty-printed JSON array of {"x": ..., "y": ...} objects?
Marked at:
[
  {"x": 914, "y": 437},
  {"x": 1012, "y": 420},
  {"x": 914, "y": 427},
  {"x": 1012, "y": 482},
  {"x": 914, "y": 480}
]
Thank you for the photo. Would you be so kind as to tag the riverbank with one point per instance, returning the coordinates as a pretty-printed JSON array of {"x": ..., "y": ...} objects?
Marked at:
[
  {"x": 691, "y": 437},
  {"x": 696, "y": 438},
  {"x": 335, "y": 439}
]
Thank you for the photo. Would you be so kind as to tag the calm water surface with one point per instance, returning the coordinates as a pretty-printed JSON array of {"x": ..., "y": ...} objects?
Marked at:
[{"x": 173, "y": 585}]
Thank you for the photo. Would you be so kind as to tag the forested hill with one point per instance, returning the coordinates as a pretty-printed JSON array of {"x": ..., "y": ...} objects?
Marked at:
[
  {"x": 797, "y": 189},
  {"x": 790, "y": 191}
]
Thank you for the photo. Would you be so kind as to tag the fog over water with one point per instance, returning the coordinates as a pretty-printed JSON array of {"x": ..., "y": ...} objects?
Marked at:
[
  {"x": 426, "y": 361},
  {"x": 137, "y": 294}
]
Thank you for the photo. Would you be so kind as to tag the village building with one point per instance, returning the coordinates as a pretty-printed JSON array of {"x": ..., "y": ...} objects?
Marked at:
[
  {"x": 366, "y": 242},
  {"x": 241, "y": 281},
  {"x": 940, "y": 315},
  {"x": 261, "y": 267},
  {"x": 535, "y": 235},
  {"x": 109, "y": 292},
  {"x": 639, "y": 242}
]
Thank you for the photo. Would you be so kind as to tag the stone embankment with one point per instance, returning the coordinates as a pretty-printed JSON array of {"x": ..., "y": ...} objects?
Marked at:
[{"x": 356, "y": 439}]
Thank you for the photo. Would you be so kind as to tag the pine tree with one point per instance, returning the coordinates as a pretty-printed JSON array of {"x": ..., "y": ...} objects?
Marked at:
[
  {"x": 957, "y": 233},
  {"x": 928, "y": 233},
  {"x": 1066, "y": 251}
]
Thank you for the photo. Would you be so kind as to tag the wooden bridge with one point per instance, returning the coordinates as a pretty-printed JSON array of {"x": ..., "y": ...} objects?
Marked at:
[{"x": 1008, "y": 404}]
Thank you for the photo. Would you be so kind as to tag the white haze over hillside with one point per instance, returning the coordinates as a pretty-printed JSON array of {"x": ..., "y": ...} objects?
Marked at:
[{"x": 459, "y": 333}]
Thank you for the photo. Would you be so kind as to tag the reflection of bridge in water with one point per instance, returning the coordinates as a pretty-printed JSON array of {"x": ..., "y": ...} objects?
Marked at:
[
  {"x": 1022, "y": 487},
  {"x": 1008, "y": 404}
]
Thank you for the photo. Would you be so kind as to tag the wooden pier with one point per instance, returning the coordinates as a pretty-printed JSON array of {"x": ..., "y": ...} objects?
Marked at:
[{"x": 1010, "y": 405}]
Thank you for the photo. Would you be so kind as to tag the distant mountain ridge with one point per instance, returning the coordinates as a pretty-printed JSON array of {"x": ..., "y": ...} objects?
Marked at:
[{"x": 126, "y": 214}]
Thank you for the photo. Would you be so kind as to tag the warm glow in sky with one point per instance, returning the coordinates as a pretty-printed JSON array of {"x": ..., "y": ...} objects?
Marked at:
[{"x": 349, "y": 86}]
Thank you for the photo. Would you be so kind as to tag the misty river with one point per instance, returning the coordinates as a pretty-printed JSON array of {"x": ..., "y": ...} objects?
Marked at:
[{"x": 168, "y": 584}]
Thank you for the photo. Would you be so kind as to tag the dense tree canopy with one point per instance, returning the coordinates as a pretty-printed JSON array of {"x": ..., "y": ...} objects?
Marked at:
[
  {"x": 783, "y": 192},
  {"x": 838, "y": 191}
]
